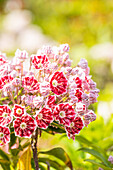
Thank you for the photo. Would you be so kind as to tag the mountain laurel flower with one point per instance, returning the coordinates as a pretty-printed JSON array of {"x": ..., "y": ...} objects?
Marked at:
[
  {"x": 24, "y": 126},
  {"x": 3, "y": 59},
  {"x": 44, "y": 117},
  {"x": 30, "y": 84},
  {"x": 74, "y": 127},
  {"x": 4, "y": 80},
  {"x": 80, "y": 108},
  {"x": 22, "y": 55},
  {"x": 64, "y": 48},
  {"x": 18, "y": 110},
  {"x": 58, "y": 83},
  {"x": 4, "y": 135},
  {"x": 5, "y": 115},
  {"x": 51, "y": 101},
  {"x": 40, "y": 61},
  {"x": 83, "y": 63},
  {"x": 38, "y": 101},
  {"x": 64, "y": 113},
  {"x": 45, "y": 92}
]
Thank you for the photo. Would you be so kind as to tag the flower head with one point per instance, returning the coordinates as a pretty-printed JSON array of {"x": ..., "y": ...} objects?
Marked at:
[
  {"x": 30, "y": 84},
  {"x": 40, "y": 61},
  {"x": 24, "y": 126},
  {"x": 4, "y": 80},
  {"x": 74, "y": 127},
  {"x": 18, "y": 110},
  {"x": 44, "y": 117},
  {"x": 4, "y": 135},
  {"x": 5, "y": 115},
  {"x": 64, "y": 113},
  {"x": 58, "y": 83}
]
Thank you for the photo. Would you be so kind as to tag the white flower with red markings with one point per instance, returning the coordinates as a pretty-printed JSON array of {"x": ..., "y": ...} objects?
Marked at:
[
  {"x": 44, "y": 117},
  {"x": 22, "y": 55},
  {"x": 24, "y": 126},
  {"x": 18, "y": 110},
  {"x": 74, "y": 127},
  {"x": 5, "y": 115},
  {"x": 3, "y": 59},
  {"x": 58, "y": 83},
  {"x": 80, "y": 108},
  {"x": 4, "y": 80},
  {"x": 51, "y": 101},
  {"x": 40, "y": 61},
  {"x": 64, "y": 113},
  {"x": 30, "y": 84},
  {"x": 4, "y": 135}
]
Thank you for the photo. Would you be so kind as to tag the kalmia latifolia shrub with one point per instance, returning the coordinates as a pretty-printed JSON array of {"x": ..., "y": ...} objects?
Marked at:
[{"x": 44, "y": 92}]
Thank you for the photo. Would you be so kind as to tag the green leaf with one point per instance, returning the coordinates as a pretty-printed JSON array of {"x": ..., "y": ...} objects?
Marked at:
[
  {"x": 5, "y": 164},
  {"x": 4, "y": 155},
  {"x": 95, "y": 154},
  {"x": 60, "y": 154},
  {"x": 42, "y": 167},
  {"x": 91, "y": 144},
  {"x": 52, "y": 163},
  {"x": 25, "y": 160},
  {"x": 14, "y": 152},
  {"x": 106, "y": 143},
  {"x": 12, "y": 137},
  {"x": 98, "y": 164},
  {"x": 4, "y": 161}
]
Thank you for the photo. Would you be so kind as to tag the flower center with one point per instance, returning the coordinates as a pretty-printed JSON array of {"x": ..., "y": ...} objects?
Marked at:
[
  {"x": 62, "y": 114},
  {"x": 39, "y": 116},
  {"x": 40, "y": 65},
  {"x": 71, "y": 124},
  {"x": 5, "y": 114},
  {"x": 54, "y": 83},
  {"x": 1, "y": 135},
  {"x": 19, "y": 111},
  {"x": 23, "y": 125}
]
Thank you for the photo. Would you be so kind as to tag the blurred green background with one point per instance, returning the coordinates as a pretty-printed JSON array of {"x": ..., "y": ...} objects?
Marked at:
[{"x": 87, "y": 26}]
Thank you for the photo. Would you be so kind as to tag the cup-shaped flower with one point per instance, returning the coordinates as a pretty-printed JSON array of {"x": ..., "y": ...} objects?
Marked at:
[
  {"x": 5, "y": 115},
  {"x": 80, "y": 108},
  {"x": 44, "y": 117},
  {"x": 24, "y": 126},
  {"x": 58, "y": 83},
  {"x": 3, "y": 59},
  {"x": 18, "y": 110},
  {"x": 39, "y": 61},
  {"x": 51, "y": 101},
  {"x": 64, "y": 113},
  {"x": 4, "y": 80},
  {"x": 30, "y": 84},
  {"x": 4, "y": 135},
  {"x": 74, "y": 127}
]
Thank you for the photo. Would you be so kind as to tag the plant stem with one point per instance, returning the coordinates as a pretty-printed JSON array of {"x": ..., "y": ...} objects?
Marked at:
[{"x": 34, "y": 141}]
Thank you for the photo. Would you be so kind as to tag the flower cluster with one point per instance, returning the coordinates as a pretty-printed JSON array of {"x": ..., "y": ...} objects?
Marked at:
[{"x": 49, "y": 92}]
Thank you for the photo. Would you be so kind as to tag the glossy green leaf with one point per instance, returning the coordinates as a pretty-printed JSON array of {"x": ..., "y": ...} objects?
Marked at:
[
  {"x": 95, "y": 154},
  {"x": 4, "y": 155},
  {"x": 5, "y": 164},
  {"x": 106, "y": 143},
  {"x": 98, "y": 164},
  {"x": 60, "y": 154},
  {"x": 52, "y": 163},
  {"x": 12, "y": 137},
  {"x": 85, "y": 141}
]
